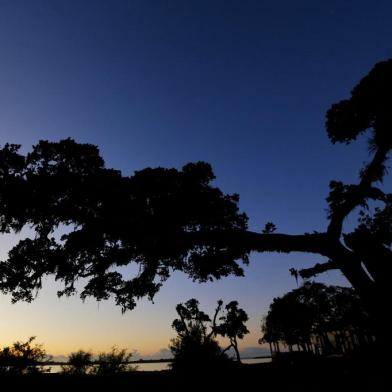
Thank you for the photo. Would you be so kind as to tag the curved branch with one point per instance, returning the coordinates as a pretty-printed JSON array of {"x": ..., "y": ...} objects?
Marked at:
[
  {"x": 372, "y": 173},
  {"x": 214, "y": 327}
]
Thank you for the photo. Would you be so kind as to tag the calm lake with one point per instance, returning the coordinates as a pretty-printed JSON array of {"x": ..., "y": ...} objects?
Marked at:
[{"x": 156, "y": 366}]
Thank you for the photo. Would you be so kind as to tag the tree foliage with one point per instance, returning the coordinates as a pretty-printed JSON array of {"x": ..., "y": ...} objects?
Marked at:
[
  {"x": 79, "y": 363},
  {"x": 195, "y": 346},
  {"x": 113, "y": 362},
  {"x": 232, "y": 325},
  {"x": 110, "y": 220},
  {"x": 318, "y": 318},
  {"x": 23, "y": 358}
]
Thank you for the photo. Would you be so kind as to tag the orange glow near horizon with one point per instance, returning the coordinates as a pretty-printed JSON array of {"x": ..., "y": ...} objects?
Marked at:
[{"x": 66, "y": 325}]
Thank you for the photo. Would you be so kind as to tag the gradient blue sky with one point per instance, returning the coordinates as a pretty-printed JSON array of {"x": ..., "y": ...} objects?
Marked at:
[{"x": 243, "y": 85}]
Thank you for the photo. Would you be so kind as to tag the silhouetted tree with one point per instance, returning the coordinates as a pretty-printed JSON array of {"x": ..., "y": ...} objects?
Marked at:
[
  {"x": 23, "y": 358},
  {"x": 233, "y": 326},
  {"x": 195, "y": 348},
  {"x": 168, "y": 219},
  {"x": 318, "y": 318}
]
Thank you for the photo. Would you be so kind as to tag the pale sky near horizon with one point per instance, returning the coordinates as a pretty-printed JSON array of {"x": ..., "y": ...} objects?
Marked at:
[{"x": 243, "y": 85}]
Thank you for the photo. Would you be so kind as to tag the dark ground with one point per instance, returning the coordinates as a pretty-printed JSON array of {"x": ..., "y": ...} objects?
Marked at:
[{"x": 333, "y": 374}]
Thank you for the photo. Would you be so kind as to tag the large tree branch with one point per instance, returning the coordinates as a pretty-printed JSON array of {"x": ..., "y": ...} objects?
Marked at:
[
  {"x": 318, "y": 269},
  {"x": 252, "y": 241}
]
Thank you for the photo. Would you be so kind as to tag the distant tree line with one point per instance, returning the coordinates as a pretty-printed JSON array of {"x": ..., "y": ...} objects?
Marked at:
[{"x": 82, "y": 363}]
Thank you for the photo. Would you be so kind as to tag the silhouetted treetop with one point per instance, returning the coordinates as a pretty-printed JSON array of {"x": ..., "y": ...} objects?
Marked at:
[
  {"x": 191, "y": 318},
  {"x": 108, "y": 220},
  {"x": 195, "y": 345},
  {"x": 369, "y": 107},
  {"x": 232, "y": 325},
  {"x": 194, "y": 348}
]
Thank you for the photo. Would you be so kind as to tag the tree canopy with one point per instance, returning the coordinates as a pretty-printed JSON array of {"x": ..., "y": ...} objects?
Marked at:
[
  {"x": 232, "y": 325},
  {"x": 110, "y": 220},
  {"x": 318, "y": 318},
  {"x": 195, "y": 345}
]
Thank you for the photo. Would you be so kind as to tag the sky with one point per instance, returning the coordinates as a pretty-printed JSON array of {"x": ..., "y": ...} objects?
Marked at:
[{"x": 243, "y": 85}]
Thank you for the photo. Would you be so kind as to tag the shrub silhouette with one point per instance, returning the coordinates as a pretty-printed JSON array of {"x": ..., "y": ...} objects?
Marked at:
[
  {"x": 113, "y": 362},
  {"x": 195, "y": 352},
  {"x": 79, "y": 363},
  {"x": 23, "y": 358}
]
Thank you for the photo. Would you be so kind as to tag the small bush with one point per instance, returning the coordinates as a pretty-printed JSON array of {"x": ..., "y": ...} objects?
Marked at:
[
  {"x": 23, "y": 358},
  {"x": 114, "y": 362},
  {"x": 79, "y": 363},
  {"x": 196, "y": 353}
]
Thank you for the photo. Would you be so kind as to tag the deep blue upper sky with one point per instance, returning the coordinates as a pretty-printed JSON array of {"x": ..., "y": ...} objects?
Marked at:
[{"x": 243, "y": 85}]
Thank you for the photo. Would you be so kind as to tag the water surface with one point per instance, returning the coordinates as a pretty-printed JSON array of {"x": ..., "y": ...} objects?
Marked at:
[{"x": 157, "y": 366}]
